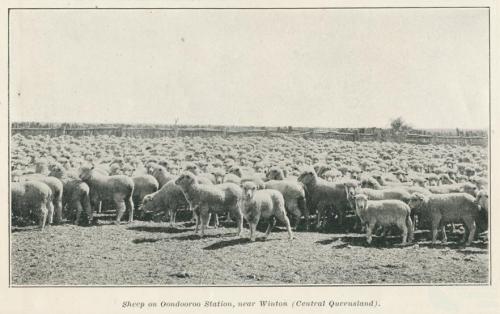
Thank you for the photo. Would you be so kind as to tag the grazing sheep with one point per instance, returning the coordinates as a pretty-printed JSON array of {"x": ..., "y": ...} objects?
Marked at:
[
  {"x": 323, "y": 194},
  {"x": 32, "y": 198},
  {"x": 441, "y": 209},
  {"x": 267, "y": 204},
  {"x": 75, "y": 197},
  {"x": 169, "y": 199},
  {"x": 221, "y": 198},
  {"x": 384, "y": 213},
  {"x": 118, "y": 189},
  {"x": 295, "y": 199},
  {"x": 57, "y": 192},
  {"x": 143, "y": 185}
]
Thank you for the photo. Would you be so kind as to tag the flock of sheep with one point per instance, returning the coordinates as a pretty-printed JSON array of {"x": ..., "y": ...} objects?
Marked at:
[{"x": 252, "y": 179}]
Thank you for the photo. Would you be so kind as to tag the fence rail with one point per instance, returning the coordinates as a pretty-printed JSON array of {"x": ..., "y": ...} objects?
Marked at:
[{"x": 203, "y": 132}]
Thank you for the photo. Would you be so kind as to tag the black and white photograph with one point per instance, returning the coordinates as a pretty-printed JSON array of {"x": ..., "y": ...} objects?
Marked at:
[{"x": 249, "y": 147}]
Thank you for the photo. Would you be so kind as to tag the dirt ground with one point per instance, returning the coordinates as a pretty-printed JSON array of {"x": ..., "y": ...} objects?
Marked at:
[{"x": 150, "y": 253}]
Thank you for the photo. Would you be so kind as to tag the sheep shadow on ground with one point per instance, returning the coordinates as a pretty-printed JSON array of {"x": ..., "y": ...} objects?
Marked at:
[
  {"x": 161, "y": 229},
  {"x": 193, "y": 237},
  {"x": 233, "y": 242},
  {"x": 345, "y": 240},
  {"x": 145, "y": 240}
]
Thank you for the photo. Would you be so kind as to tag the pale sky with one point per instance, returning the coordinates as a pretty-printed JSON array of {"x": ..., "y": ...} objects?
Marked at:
[{"x": 316, "y": 68}]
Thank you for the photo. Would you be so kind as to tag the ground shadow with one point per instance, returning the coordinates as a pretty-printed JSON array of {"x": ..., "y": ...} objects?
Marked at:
[
  {"x": 193, "y": 237},
  {"x": 233, "y": 242},
  {"x": 144, "y": 240},
  {"x": 161, "y": 229}
]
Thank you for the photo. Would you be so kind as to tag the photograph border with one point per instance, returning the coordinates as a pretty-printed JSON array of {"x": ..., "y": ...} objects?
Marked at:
[{"x": 11, "y": 285}]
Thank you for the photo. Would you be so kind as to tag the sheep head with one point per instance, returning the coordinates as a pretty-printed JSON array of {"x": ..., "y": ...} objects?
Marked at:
[
  {"x": 307, "y": 177},
  {"x": 417, "y": 200},
  {"x": 185, "y": 180},
  {"x": 360, "y": 201},
  {"x": 249, "y": 189},
  {"x": 482, "y": 199},
  {"x": 275, "y": 173}
]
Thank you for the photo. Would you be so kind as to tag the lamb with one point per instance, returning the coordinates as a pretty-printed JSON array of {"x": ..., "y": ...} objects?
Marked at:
[
  {"x": 143, "y": 185},
  {"x": 202, "y": 198},
  {"x": 118, "y": 189},
  {"x": 323, "y": 194},
  {"x": 267, "y": 204},
  {"x": 447, "y": 208},
  {"x": 384, "y": 213},
  {"x": 32, "y": 197},
  {"x": 295, "y": 199},
  {"x": 169, "y": 199}
]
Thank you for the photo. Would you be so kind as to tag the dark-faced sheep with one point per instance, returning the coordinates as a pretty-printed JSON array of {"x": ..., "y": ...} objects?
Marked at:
[
  {"x": 441, "y": 209},
  {"x": 118, "y": 189},
  {"x": 384, "y": 213},
  {"x": 221, "y": 198},
  {"x": 323, "y": 194},
  {"x": 32, "y": 198},
  {"x": 266, "y": 204}
]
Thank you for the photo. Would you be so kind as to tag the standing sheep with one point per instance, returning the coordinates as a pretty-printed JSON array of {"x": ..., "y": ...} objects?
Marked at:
[
  {"x": 323, "y": 194},
  {"x": 75, "y": 194},
  {"x": 57, "y": 191},
  {"x": 384, "y": 213},
  {"x": 32, "y": 197},
  {"x": 221, "y": 198},
  {"x": 118, "y": 189},
  {"x": 295, "y": 199},
  {"x": 447, "y": 208},
  {"x": 265, "y": 204}
]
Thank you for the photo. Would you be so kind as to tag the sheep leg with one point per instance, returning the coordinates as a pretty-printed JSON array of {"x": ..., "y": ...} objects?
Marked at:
[
  {"x": 208, "y": 219},
  {"x": 79, "y": 210},
  {"x": 402, "y": 226},
  {"x": 172, "y": 218},
  {"x": 216, "y": 222},
  {"x": 369, "y": 231},
  {"x": 253, "y": 230},
  {"x": 443, "y": 231},
  {"x": 284, "y": 219},
  {"x": 119, "y": 211},
  {"x": 58, "y": 211},
  {"x": 205, "y": 215},
  {"x": 471, "y": 225},
  {"x": 196, "y": 221},
  {"x": 42, "y": 217},
  {"x": 50, "y": 212},
  {"x": 320, "y": 211},
  {"x": 130, "y": 208},
  {"x": 410, "y": 226},
  {"x": 270, "y": 226}
]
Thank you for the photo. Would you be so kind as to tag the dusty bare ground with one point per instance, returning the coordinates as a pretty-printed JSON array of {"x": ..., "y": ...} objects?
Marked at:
[{"x": 149, "y": 253}]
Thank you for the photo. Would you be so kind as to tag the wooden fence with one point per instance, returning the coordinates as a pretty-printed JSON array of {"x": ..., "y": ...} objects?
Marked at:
[{"x": 204, "y": 132}]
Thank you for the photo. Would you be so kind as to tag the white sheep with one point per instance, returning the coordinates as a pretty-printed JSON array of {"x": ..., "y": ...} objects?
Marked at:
[
  {"x": 203, "y": 198},
  {"x": 384, "y": 213},
  {"x": 267, "y": 204}
]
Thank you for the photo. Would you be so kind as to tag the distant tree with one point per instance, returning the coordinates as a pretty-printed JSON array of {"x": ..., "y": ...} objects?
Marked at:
[{"x": 400, "y": 125}]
